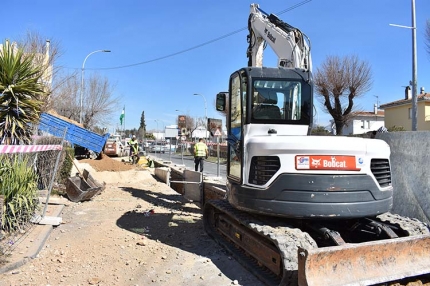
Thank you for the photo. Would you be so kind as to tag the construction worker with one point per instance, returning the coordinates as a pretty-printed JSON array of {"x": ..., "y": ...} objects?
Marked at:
[
  {"x": 134, "y": 149},
  {"x": 200, "y": 153}
]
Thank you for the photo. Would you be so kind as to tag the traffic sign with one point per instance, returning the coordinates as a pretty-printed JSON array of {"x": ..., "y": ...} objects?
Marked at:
[{"x": 217, "y": 133}]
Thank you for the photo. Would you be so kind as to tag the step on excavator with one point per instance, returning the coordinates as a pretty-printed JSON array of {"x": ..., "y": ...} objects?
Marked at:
[{"x": 302, "y": 209}]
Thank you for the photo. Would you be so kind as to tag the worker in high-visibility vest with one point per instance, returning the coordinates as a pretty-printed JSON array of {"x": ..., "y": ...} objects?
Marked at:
[
  {"x": 200, "y": 153},
  {"x": 134, "y": 150}
]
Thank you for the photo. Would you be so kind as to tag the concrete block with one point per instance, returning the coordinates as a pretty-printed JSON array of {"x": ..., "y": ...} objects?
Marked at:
[
  {"x": 163, "y": 174},
  {"x": 193, "y": 189}
]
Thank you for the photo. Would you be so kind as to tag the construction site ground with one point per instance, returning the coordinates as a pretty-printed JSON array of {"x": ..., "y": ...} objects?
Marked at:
[
  {"x": 138, "y": 231},
  {"x": 115, "y": 239}
]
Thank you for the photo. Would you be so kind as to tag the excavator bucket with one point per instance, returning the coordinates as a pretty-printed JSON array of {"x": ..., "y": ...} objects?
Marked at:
[{"x": 365, "y": 263}]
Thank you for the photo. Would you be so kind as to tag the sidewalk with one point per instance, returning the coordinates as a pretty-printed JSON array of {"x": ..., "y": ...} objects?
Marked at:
[{"x": 28, "y": 245}]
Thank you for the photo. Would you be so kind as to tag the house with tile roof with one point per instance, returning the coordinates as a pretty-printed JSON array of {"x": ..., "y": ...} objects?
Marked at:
[
  {"x": 362, "y": 122},
  {"x": 399, "y": 113}
]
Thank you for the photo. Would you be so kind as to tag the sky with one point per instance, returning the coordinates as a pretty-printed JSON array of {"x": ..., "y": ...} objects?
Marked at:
[{"x": 164, "y": 52}]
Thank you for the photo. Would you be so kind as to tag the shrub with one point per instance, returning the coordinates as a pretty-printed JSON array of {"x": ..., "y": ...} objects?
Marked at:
[
  {"x": 395, "y": 128},
  {"x": 66, "y": 167},
  {"x": 18, "y": 185},
  {"x": 65, "y": 163}
]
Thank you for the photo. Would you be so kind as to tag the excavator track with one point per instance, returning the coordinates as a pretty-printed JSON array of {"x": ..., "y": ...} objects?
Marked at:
[
  {"x": 410, "y": 226},
  {"x": 274, "y": 250},
  {"x": 273, "y": 254}
]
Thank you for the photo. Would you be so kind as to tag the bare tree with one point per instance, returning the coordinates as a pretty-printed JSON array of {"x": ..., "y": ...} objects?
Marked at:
[
  {"x": 46, "y": 52},
  {"x": 338, "y": 82},
  {"x": 65, "y": 98},
  {"x": 99, "y": 103}
]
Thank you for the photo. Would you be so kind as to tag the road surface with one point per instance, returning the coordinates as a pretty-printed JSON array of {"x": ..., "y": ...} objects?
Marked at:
[{"x": 210, "y": 168}]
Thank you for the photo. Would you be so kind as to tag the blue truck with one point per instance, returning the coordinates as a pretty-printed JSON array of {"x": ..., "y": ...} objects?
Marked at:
[{"x": 75, "y": 134}]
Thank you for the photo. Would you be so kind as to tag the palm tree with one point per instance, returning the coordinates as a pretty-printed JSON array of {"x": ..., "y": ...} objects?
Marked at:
[{"x": 22, "y": 93}]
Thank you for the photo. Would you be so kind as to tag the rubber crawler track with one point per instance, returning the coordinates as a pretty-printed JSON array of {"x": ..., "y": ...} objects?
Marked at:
[
  {"x": 408, "y": 225},
  {"x": 285, "y": 238}
]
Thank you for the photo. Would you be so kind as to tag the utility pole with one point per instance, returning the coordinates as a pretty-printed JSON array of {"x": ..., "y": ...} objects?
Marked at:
[
  {"x": 413, "y": 82},
  {"x": 414, "y": 70}
]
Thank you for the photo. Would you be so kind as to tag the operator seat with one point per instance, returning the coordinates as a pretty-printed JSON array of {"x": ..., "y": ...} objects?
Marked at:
[{"x": 265, "y": 106}]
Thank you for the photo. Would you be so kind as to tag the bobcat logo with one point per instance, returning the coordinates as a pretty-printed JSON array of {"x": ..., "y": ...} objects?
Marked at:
[{"x": 316, "y": 162}]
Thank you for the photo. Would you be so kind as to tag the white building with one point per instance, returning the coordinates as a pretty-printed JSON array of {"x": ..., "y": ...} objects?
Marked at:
[
  {"x": 200, "y": 132},
  {"x": 363, "y": 122}
]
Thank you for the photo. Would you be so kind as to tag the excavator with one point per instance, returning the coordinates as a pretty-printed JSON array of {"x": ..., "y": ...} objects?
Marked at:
[{"x": 302, "y": 209}]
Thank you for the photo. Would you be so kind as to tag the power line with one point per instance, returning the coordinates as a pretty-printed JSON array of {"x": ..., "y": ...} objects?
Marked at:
[{"x": 199, "y": 45}]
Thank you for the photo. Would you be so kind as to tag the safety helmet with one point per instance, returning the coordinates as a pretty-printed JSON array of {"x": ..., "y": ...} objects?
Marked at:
[{"x": 134, "y": 136}]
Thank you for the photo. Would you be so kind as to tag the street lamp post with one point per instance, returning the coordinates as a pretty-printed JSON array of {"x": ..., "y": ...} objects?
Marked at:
[
  {"x": 156, "y": 139},
  {"x": 206, "y": 114},
  {"x": 414, "y": 67},
  {"x": 82, "y": 79}
]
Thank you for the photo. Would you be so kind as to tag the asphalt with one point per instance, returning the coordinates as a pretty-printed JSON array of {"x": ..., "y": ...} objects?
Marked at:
[{"x": 28, "y": 245}]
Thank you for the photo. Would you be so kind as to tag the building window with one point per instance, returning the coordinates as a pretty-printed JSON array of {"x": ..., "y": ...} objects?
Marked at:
[
  {"x": 365, "y": 124},
  {"x": 410, "y": 113}
]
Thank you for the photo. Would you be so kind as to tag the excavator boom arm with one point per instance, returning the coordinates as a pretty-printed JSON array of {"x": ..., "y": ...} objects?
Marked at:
[{"x": 290, "y": 44}]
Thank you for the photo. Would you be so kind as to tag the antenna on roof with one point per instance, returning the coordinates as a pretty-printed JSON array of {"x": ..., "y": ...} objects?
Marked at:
[{"x": 377, "y": 101}]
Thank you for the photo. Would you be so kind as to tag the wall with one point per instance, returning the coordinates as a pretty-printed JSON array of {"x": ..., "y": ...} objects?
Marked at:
[
  {"x": 398, "y": 116},
  {"x": 410, "y": 159}
]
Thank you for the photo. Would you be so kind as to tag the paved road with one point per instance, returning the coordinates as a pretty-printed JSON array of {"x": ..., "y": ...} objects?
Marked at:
[{"x": 210, "y": 169}]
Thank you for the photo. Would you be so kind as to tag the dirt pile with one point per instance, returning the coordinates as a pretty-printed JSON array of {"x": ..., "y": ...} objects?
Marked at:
[
  {"x": 54, "y": 113},
  {"x": 109, "y": 164}
]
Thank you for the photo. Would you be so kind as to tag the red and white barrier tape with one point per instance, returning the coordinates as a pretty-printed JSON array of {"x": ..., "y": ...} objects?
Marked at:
[
  {"x": 27, "y": 148},
  {"x": 208, "y": 143}
]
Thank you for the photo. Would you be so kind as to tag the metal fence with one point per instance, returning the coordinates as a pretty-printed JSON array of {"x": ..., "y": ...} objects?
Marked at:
[{"x": 45, "y": 161}]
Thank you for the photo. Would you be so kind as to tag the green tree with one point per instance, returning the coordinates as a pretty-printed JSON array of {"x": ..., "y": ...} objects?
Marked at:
[
  {"x": 22, "y": 93},
  {"x": 142, "y": 126},
  {"x": 338, "y": 82},
  {"x": 150, "y": 136}
]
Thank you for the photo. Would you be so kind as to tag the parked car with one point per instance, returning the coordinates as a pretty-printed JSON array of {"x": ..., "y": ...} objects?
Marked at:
[
  {"x": 168, "y": 147},
  {"x": 157, "y": 148},
  {"x": 114, "y": 147}
]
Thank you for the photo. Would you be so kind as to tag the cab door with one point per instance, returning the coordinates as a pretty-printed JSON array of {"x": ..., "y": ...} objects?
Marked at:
[{"x": 236, "y": 115}]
